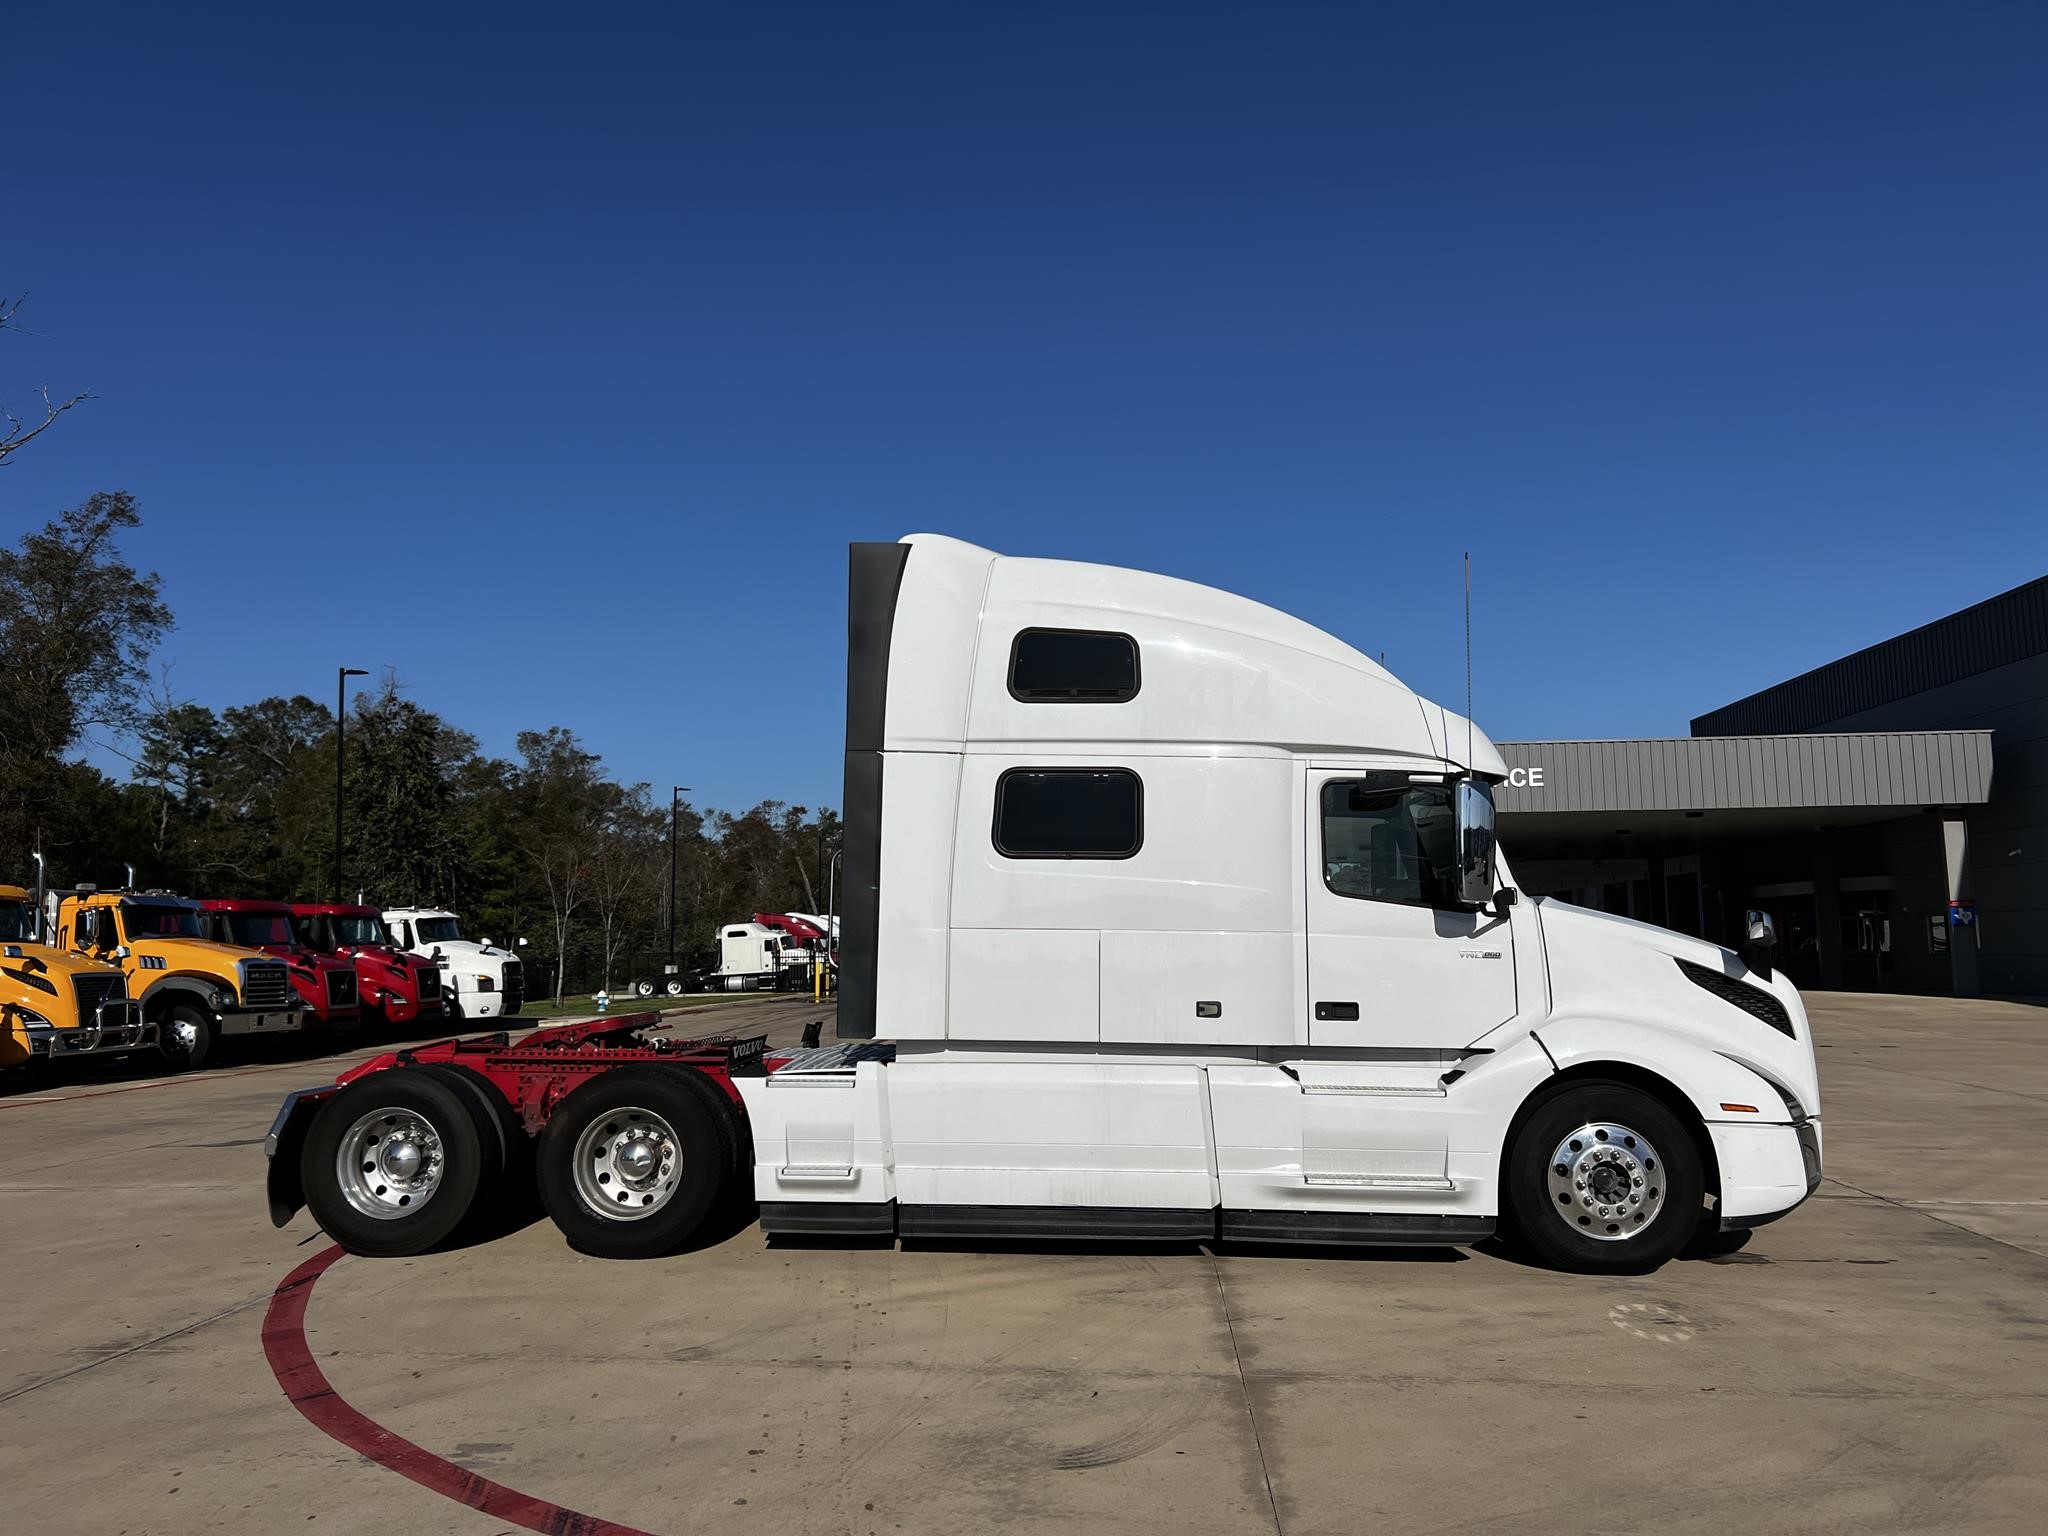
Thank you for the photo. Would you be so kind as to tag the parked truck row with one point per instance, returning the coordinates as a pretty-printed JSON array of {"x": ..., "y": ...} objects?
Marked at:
[
  {"x": 1167, "y": 916},
  {"x": 92, "y": 972}
]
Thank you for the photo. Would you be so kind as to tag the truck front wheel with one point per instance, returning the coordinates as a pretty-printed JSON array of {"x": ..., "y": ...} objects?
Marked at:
[
  {"x": 186, "y": 1036},
  {"x": 1604, "y": 1179},
  {"x": 394, "y": 1163},
  {"x": 630, "y": 1163}
]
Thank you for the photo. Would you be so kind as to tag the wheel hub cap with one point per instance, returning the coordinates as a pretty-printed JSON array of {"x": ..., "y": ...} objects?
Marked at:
[
  {"x": 1606, "y": 1182},
  {"x": 627, "y": 1164},
  {"x": 389, "y": 1164}
]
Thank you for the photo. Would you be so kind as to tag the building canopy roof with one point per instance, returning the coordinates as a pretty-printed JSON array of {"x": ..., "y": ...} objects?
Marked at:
[{"x": 1859, "y": 773}]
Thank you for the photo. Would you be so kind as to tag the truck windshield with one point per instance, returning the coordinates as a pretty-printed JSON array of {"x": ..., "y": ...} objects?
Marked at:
[
  {"x": 253, "y": 930},
  {"x": 437, "y": 930},
  {"x": 158, "y": 920},
  {"x": 15, "y": 927},
  {"x": 359, "y": 930}
]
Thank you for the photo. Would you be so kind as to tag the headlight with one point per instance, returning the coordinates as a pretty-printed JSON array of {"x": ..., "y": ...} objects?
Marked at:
[
  {"x": 486, "y": 984},
  {"x": 218, "y": 1000}
]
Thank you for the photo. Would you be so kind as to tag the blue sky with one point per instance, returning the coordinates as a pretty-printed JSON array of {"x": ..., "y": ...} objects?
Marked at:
[{"x": 436, "y": 337}]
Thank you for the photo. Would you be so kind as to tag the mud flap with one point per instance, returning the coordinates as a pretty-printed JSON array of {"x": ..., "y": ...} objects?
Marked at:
[{"x": 287, "y": 1139}]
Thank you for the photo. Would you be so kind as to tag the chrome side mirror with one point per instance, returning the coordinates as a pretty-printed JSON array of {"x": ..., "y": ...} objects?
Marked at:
[
  {"x": 1759, "y": 938},
  {"x": 1473, "y": 802}
]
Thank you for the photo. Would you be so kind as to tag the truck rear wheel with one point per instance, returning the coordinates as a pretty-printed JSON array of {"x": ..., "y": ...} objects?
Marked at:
[
  {"x": 1604, "y": 1179},
  {"x": 394, "y": 1163},
  {"x": 630, "y": 1163},
  {"x": 186, "y": 1036},
  {"x": 643, "y": 989},
  {"x": 673, "y": 986}
]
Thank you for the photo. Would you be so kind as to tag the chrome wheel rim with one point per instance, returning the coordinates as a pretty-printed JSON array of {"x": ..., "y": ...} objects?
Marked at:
[
  {"x": 183, "y": 1039},
  {"x": 1606, "y": 1182},
  {"x": 628, "y": 1164},
  {"x": 389, "y": 1164}
]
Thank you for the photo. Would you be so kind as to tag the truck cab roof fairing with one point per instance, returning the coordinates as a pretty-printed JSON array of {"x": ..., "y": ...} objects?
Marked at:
[{"x": 1218, "y": 668}]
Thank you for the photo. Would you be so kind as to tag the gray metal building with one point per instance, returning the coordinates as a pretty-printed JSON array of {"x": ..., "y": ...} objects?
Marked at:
[{"x": 1890, "y": 810}]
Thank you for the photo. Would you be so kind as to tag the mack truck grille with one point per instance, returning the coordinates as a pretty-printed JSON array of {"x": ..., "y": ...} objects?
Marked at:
[
  {"x": 94, "y": 990},
  {"x": 341, "y": 988},
  {"x": 265, "y": 985},
  {"x": 513, "y": 988},
  {"x": 430, "y": 983}
]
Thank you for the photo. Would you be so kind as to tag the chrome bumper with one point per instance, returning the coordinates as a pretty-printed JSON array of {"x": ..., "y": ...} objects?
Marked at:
[
  {"x": 282, "y": 1022},
  {"x": 117, "y": 1026}
]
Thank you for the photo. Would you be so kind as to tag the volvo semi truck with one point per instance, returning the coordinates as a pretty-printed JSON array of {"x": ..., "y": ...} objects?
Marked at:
[{"x": 1166, "y": 916}]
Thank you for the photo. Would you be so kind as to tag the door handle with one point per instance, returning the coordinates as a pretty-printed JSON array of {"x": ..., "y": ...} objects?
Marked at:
[{"x": 1337, "y": 1012}]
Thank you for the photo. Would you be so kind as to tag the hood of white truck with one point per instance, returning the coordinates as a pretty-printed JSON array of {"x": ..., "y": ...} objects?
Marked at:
[
  {"x": 1607, "y": 967},
  {"x": 461, "y": 952}
]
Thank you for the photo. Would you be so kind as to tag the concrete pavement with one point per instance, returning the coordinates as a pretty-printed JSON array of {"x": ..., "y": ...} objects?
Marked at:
[{"x": 1873, "y": 1362}]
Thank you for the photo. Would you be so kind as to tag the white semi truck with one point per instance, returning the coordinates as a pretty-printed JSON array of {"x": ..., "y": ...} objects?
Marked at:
[
  {"x": 1167, "y": 916},
  {"x": 478, "y": 979}
]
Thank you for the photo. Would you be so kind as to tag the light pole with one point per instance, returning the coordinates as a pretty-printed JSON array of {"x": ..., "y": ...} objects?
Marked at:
[
  {"x": 675, "y": 799},
  {"x": 342, "y": 675}
]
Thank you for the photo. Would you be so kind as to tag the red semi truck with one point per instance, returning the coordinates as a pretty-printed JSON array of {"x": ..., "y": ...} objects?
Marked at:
[
  {"x": 396, "y": 988},
  {"x": 327, "y": 986}
]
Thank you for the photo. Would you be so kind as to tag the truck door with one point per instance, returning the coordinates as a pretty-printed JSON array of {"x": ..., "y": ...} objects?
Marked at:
[{"x": 1392, "y": 960}]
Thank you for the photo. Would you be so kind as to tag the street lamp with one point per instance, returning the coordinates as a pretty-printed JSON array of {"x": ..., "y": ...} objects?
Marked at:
[
  {"x": 342, "y": 675},
  {"x": 675, "y": 799}
]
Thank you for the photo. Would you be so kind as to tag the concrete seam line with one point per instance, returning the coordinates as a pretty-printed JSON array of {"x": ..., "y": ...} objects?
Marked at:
[
  {"x": 1245, "y": 1391},
  {"x": 1956, "y": 1226},
  {"x": 122, "y": 1354},
  {"x": 308, "y": 1389}
]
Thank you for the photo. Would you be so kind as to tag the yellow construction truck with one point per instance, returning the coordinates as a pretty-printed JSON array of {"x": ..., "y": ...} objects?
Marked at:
[
  {"x": 195, "y": 991},
  {"x": 55, "y": 1005}
]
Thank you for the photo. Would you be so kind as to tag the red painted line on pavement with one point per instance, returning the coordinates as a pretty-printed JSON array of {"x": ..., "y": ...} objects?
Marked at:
[{"x": 291, "y": 1361}]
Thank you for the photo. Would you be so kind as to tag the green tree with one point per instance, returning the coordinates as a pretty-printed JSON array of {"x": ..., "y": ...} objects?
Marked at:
[
  {"x": 77, "y": 626},
  {"x": 400, "y": 846}
]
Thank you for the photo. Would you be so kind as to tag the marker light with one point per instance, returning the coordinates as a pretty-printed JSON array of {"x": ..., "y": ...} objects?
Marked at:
[{"x": 1740, "y": 1109}]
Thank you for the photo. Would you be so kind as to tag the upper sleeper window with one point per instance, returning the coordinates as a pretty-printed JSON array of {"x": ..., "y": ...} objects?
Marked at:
[
  {"x": 1069, "y": 813},
  {"x": 1073, "y": 666}
]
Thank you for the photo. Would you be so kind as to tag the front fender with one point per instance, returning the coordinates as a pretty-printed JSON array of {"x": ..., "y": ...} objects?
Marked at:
[
  {"x": 165, "y": 990},
  {"x": 1708, "y": 1079}
]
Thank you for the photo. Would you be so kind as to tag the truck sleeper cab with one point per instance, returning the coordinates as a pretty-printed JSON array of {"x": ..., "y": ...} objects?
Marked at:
[
  {"x": 193, "y": 989},
  {"x": 55, "y": 1006},
  {"x": 1185, "y": 920},
  {"x": 1167, "y": 916}
]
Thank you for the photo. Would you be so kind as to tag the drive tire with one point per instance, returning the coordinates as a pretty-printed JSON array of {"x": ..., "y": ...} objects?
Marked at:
[
  {"x": 508, "y": 1190},
  {"x": 407, "y": 1099},
  {"x": 186, "y": 1037},
  {"x": 1646, "y": 1146},
  {"x": 660, "y": 1109},
  {"x": 643, "y": 989},
  {"x": 673, "y": 987}
]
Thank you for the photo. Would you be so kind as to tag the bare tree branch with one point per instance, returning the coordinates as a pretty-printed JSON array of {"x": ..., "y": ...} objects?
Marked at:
[{"x": 19, "y": 433}]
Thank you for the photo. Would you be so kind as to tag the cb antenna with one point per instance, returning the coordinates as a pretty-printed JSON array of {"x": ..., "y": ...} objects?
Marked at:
[{"x": 1468, "y": 659}]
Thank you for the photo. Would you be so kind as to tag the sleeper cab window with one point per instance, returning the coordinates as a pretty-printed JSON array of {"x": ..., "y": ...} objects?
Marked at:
[
  {"x": 1387, "y": 839},
  {"x": 1069, "y": 813},
  {"x": 1073, "y": 666}
]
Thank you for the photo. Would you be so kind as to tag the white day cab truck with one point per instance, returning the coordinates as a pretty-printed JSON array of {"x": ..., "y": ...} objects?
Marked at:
[
  {"x": 1167, "y": 916},
  {"x": 478, "y": 979}
]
